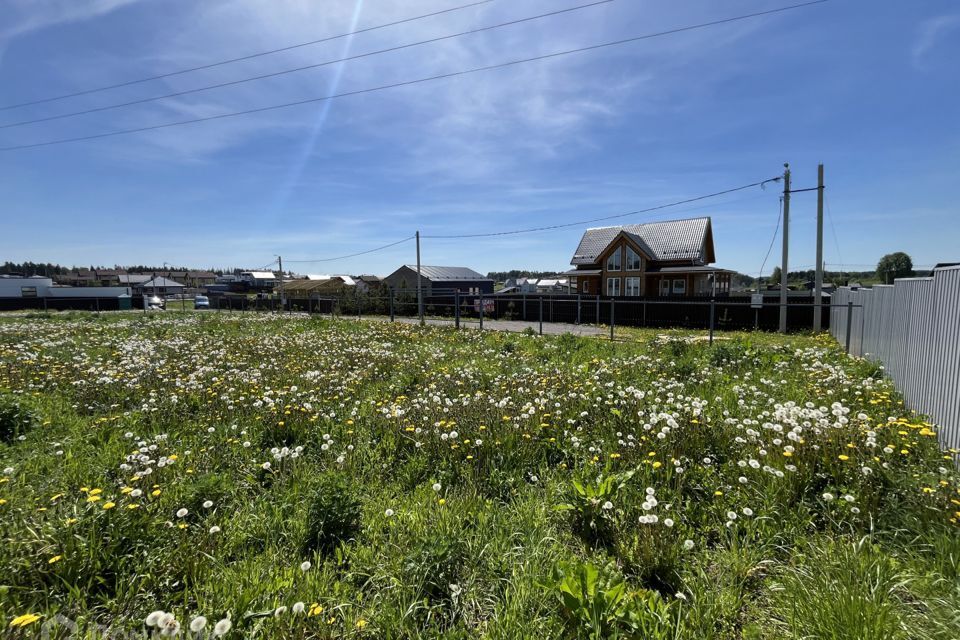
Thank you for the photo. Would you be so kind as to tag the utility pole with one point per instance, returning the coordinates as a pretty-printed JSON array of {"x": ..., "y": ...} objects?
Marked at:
[
  {"x": 419, "y": 284},
  {"x": 784, "y": 264},
  {"x": 280, "y": 264},
  {"x": 818, "y": 281}
]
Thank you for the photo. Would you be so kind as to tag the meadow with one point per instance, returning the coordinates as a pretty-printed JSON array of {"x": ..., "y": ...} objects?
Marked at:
[{"x": 260, "y": 477}]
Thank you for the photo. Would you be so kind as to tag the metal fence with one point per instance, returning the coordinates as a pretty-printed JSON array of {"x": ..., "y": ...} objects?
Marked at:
[{"x": 913, "y": 328}]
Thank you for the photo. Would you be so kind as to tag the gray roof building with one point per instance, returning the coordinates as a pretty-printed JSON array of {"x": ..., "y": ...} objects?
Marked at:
[{"x": 688, "y": 240}]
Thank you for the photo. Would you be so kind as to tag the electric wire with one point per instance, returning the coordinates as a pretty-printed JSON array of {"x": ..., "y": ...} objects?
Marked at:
[
  {"x": 251, "y": 56},
  {"x": 416, "y": 81},
  {"x": 275, "y": 74}
]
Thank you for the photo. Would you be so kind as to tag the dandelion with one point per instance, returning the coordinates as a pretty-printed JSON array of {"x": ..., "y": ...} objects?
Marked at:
[
  {"x": 279, "y": 611},
  {"x": 153, "y": 619},
  {"x": 182, "y": 513},
  {"x": 849, "y": 498},
  {"x": 265, "y": 466},
  {"x": 54, "y": 559},
  {"x": 207, "y": 504},
  {"x": 747, "y": 511},
  {"x": 828, "y": 497},
  {"x": 298, "y": 607},
  {"x": 731, "y": 515},
  {"x": 109, "y": 505},
  {"x": 24, "y": 620},
  {"x": 688, "y": 544},
  {"x": 667, "y": 522},
  {"x": 388, "y": 513},
  {"x": 136, "y": 493},
  {"x": 436, "y": 486},
  {"x": 680, "y": 595},
  {"x": 197, "y": 624},
  {"x": 607, "y": 505},
  {"x": 214, "y": 529},
  {"x": 8, "y": 471},
  {"x": 361, "y": 623},
  {"x": 305, "y": 565},
  {"x": 222, "y": 627}
]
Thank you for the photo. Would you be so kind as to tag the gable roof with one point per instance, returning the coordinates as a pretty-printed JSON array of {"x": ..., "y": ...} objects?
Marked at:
[
  {"x": 690, "y": 239},
  {"x": 160, "y": 281},
  {"x": 447, "y": 273}
]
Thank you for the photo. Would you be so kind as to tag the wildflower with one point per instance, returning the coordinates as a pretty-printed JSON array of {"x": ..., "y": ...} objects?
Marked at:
[
  {"x": 361, "y": 623},
  {"x": 747, "y": 511},
  {"x": 388, "y": 513},
  {"x": 207, "y": 504},
  {"x": 298, "y": 607},
  {"x": 731, "y": 515},
  {"x": 154, "y": 618},
  {"x": 214, "y": 529},
  {"x": 265, "y": 466},
  {"x": 843, "y": 457},
  {"x": 436, "y": 486},
  {"x": 8, "y": 471},
  {"x": 279, "y": 611},
  {"x": 24, "y": 620},
  {"x": 688, "y": 544},
  {"x": 607, "y": 506},
  {"x": 681, "y": 595},
  {"x": 54, "y": 559},
  {"x": 109, "y": 505},
  {"x": 182, "y": 513},
  {"x": 305, "y": 565},
  {"x": 828, "y": 497},
  {"x": 222, "y": 627},
  {"x": 667, "y": 522},
  {"x": 197, "y": 624},
  {"x": 315, "y": 609},
  {"x": 849, "y": 498}
]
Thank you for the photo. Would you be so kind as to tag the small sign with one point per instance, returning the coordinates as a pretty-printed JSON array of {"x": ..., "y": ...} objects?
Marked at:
[{"x": 756, "y": 301}]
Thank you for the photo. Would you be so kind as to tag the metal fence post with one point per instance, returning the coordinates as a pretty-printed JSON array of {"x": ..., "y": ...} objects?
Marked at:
[
  {"x": 850, "y": 322},
  {"x": 612, "y": 303},
  {"x": 541, "y": 315},
  {"x": 598, "y": 308},
  {"x": 524, "y": 307},
  {"x": 712, "y": 312},
  {"x": 359, "y": 305},
  {"x": 391, "y": 306},
  {"x": 643, "y": 322},
  {"x": 578, "y": 308},
  {"x": 481, "y": 312},
  {"x": 456, "y": 309},
  {"x": 98, "y": 305}
]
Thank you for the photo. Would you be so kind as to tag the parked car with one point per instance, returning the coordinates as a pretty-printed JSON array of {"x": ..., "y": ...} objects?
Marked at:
[
  {"x": 201, "y": 302},
  {"x": 156, "y": 303}
]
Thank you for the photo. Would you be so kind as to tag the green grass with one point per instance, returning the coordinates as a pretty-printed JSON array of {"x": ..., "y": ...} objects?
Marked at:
[{"x": 407, "y": 482}]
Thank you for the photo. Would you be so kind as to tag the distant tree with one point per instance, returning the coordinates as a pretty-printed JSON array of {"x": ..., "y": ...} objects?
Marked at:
[
  {"x": 775, "y": 276},
  {"x": 893, "y": 266}
]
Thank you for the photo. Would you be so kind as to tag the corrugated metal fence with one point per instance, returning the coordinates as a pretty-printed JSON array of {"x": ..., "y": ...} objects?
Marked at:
[{"x": 913, "y": 328}]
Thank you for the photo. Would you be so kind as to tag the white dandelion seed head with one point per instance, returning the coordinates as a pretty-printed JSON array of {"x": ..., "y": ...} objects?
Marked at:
[
  {"x": 688, "y": 544},
  {"x": 214, "y": 529},
  {"x": 388, "y": 513},
  {"x": 667, "y": 522},
  {"x": 154, "y": 618},
  {"x": 222, "y": 627},
  {"x": 182, "y": 513},
  {"x": 436, "y": 486},
  {"x": 305, "y": 565},
  {"x": 207, "y": 504},
  {"x": 298, "y": 607},
  {"x": 197, "y": 624}
]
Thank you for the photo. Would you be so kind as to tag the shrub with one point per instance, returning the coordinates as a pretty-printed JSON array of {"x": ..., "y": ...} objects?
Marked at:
[
  {"x": 333, "y": 516},
  {"x": 598, "y": 604},
  {"x": 15, "y": 418}
]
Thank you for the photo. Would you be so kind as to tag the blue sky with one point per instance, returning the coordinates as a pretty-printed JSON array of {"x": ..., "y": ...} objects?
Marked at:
[{"x": 868, "y": 88}]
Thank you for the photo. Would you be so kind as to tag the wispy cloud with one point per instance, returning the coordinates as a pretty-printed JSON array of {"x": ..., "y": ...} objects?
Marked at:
[
  {"x": 931, "y": 32},
  {"x": 23, "y": 16}
]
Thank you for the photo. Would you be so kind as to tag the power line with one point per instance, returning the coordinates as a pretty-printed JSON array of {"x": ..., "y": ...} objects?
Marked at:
[
  {"x": 612, "y": 217},
  {"x": 308, "y": 67},
  {"x": 242, "y": 58},
  {"x": 776, "y": 230},
  {"x": 353, "y": 255},
  {"x": 406, "y": 83}
]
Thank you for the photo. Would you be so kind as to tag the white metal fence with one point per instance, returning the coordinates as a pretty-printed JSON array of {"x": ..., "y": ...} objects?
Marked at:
[{"x": 913, "y": 328}]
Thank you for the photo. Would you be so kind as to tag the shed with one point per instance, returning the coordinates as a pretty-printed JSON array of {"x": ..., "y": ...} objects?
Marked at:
[{"x": 438, "y": 280}]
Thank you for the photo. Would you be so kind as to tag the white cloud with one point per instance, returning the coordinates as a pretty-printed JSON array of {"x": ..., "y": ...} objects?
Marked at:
[
  {"x": 929, "y": 35},
  {"x": 23, "y": 16}
]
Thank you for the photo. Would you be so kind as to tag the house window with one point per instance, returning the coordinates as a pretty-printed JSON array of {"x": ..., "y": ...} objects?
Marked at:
[
  {"x": 613, "y": 286},
  {"x": 680, "y": 286},
  {"x": 664, "y": 287},
  {"x": 586, "y": 286},
  {"x": 632, "y": 287},
  {"x": 28, "y": 292},
  {"x": 633, "y": 260},
  {"x": 613, "y": 262}
]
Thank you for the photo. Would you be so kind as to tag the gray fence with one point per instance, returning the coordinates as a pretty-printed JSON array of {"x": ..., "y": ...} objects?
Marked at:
[{"x": 913, "y": 328}]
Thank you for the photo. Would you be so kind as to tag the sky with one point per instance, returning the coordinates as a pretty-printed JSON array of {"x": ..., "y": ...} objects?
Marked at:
[{"x": 867, "y": 88}]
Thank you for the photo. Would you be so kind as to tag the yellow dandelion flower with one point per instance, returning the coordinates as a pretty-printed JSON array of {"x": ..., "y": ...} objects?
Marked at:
[
  {"x": 54, "y": 559},
  {"x": 109, "y": 505},
  {"x": 361, "y": 623},
  {"x": 93, "y": 498},
  {"x": 843, "y": 457},
  {"x": 24, "y": 620}
]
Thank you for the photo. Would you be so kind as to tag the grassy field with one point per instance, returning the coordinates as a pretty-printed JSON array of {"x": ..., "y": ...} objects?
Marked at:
[{"x": 252, "y": 476}]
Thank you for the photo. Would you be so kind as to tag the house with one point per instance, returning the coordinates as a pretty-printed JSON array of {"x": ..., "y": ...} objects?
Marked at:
[
  {"x": 158, "y": 286},
  {"x": 669, "y": 258},
  {"x": 368, "y": 283},
  {"x": 18, "y": 293},
  {"x": 438, "y": 280},
  {"x": 534, "y": 285},
  {"x": 198, "y": 279},
  {"x": 133, "y": 279},
  {"x": 260, "y": 280}
]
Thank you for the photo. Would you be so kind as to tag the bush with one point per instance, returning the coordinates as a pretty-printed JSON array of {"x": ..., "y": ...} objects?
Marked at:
[
  {"x": 333, "y": 516},
  {"x": 15, "y": 418}
]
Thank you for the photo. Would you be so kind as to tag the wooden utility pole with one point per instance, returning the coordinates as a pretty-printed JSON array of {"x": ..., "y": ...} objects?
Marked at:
[
  {"x": 818, "y": 281},
  {"x": 419, "y": 284},
  {"x": 784, "y": 264}
]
